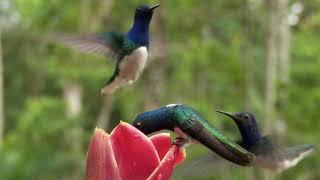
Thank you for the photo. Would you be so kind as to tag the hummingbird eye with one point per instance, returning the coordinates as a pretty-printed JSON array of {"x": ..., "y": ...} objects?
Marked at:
[
  {"x": 138, "y": 125},
  {"x": 246, "y": 116}
]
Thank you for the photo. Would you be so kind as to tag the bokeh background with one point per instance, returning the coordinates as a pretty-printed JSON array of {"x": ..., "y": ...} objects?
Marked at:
[{"x": 261, "y": 56}]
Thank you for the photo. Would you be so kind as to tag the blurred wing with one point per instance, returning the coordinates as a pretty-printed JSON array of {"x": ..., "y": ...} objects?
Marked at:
[
  {"x": 208, "y": 165},
  {"x": 271, "y": 155},
  {"x": 267, "y": 146},
  {"x": 276, "y": 140},
  {"x": 298, "y": 152},
  {"x": 108, "y": 44}
]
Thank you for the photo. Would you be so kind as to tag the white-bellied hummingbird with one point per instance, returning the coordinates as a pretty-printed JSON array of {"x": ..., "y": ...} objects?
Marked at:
[
  {"x": 130, "y": 50},
  {"x": 269, "y": 153}
]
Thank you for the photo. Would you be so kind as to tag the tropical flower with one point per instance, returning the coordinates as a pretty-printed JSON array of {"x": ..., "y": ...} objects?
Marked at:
[{"x": 128, "y": 154}]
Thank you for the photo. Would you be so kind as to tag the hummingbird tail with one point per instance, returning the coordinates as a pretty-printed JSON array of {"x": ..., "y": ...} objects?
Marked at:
[
  {"x": 109, "y": 89},
  {"x": 112, "y": 86}
]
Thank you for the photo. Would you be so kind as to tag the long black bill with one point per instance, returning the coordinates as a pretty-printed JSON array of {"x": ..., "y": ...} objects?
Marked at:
[
  {"x": 154, "y": 7},
  {"x": 229, "y": 115}
]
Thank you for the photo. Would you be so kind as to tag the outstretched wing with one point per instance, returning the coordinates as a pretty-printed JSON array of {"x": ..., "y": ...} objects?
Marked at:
[
  {"x": 208, "y": 165},
  {"x": 108, "y": 44},
  {"x": 270, "y": 154},
  {"x": 292, "y": 155}
]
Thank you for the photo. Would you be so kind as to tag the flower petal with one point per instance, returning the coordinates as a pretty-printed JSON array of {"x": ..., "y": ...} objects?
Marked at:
[
  {"x": 165, "y": 168},
  {"x": 135, "y": 154},
  {"x": 162, "y": 143},
  {"x": 101, "y": 163}
]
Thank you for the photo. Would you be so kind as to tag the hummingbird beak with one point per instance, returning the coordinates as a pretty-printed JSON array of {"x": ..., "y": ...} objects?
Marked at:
[
  {"x": 154, "y": 7},
  {"x": 229, "y": 115}
]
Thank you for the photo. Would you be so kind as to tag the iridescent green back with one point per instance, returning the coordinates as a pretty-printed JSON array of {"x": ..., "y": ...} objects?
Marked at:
[
  {"x": 185, "y": 117},
  {"x": 128, "y": 47},
  {"x": 120, "y": 43}
]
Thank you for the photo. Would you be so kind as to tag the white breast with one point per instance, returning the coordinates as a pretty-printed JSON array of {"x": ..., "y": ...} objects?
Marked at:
[{"x": 132, "y": 65}]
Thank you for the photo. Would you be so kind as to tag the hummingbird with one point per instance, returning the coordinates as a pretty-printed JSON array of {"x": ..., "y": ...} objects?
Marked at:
[
  {"x": 190, "y": 126},
  {"x": 129, "y": 50},
  {"x": 269, "y": 153}
]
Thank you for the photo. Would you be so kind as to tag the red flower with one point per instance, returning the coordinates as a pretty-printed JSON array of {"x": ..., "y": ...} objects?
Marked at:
[{"x": 128, "y": 154}]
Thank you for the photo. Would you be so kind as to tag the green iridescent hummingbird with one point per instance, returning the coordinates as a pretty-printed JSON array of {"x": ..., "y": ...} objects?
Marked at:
[
  {"x": 269, "y": 153},
  {"x": 130, "y": 50},
  {"x": 192, "y": 127}
]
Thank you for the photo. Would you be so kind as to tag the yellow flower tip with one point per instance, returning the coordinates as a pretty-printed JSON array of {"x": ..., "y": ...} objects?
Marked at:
[
  {"x": 99, "y": 131},
  {"x": 123, "y": 123},
  {"x": 184, "y": 153},
  {"x": 166, "y": 134}
]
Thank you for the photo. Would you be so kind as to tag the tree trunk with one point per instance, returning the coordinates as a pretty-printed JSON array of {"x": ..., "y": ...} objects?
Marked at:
[
  {"x": 248, "y": 82},
  {"x": 246, "y": 49},
  {"x": 84, "y": 16},
  {"x": 247, "y": 67},
  {"x": 277, "y": 62},
  {"x": 271, "y": 63},
  {"x": 158, "y": 65},
  {"x": 102, "y": 12},
  {"x": 2, "y": 120},
  {"x": 277, "y": 51},
  {"x": 72, "y": 97},
  {"x": 103, "y": 117},
  {"x": 284, "y": 43},
  {"x": 284, "y": 61}
]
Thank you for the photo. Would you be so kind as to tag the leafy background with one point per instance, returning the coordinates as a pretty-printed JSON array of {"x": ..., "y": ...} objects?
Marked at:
[{"x": 208, "y": 54}]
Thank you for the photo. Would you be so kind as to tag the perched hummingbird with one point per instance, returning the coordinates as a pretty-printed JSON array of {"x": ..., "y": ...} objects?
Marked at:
[
  {"x": 192, "y": 127},
  {"x": 269, "y": 154},
  {"x": 130, "y": 50}
]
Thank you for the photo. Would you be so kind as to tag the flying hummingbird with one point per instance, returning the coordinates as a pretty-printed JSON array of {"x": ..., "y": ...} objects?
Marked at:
[
  {"x": 192, "y": 127},
  {"x": 130, "y": 50},
  {"x": 269, "y": 154}
]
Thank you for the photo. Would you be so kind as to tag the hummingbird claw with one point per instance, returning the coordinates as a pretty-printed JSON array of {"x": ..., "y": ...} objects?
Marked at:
[{"x": 179, "y": 141}]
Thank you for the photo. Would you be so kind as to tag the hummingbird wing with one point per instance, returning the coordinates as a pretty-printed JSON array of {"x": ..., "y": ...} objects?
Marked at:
[
  {"x": 109, "y": 44},
  {"x": 203, "y": 167},
  {"x": 298, "y": 152},
  {"x": 271, "y": 155},
  {"x": 291, "y": 156}
]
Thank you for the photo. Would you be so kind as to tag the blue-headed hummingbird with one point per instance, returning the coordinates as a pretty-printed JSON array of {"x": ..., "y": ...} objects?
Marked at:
[
  {"x": 130, "y": 50},
  {"x": 269, "y": 153}
]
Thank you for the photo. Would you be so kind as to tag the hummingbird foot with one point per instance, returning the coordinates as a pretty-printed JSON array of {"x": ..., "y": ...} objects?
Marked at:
[{"x": 180, "y": 141}]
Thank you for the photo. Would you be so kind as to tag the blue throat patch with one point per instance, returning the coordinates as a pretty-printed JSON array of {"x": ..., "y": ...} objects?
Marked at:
[
  {"x": 250, "y": 135},
  {"x": 139, "y": 33}
]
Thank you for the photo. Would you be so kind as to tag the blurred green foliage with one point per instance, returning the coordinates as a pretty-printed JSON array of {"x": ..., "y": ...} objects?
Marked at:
[{"x": 204, "y": 69}]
